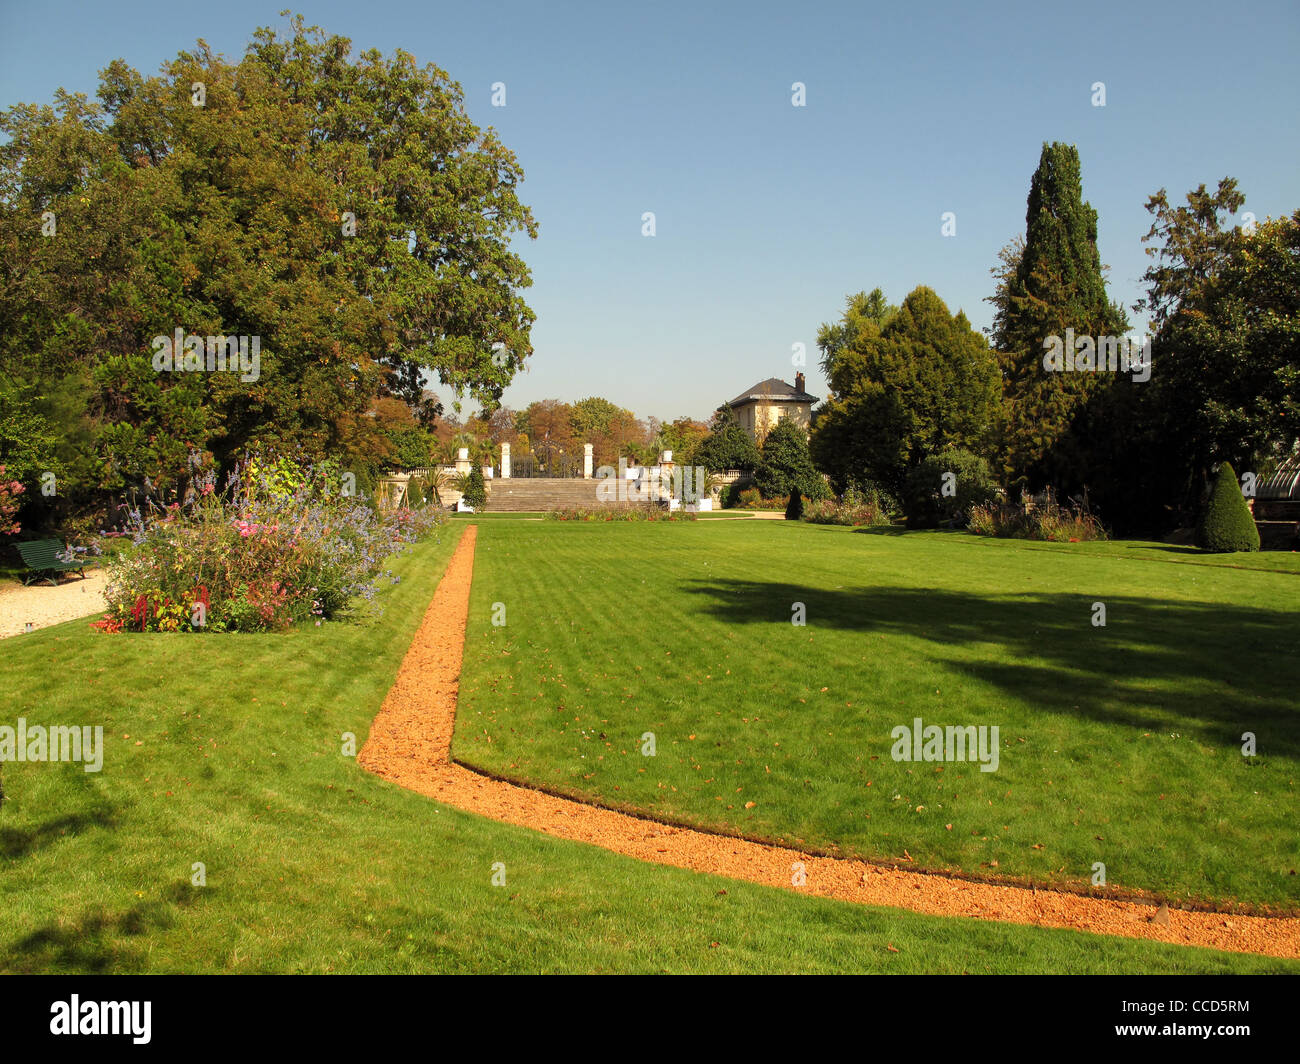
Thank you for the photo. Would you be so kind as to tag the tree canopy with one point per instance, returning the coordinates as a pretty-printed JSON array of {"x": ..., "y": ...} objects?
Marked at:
[
  {"x": 863, "y": 315},
  {"x": 727, "y": 446},
  {"x": 926, "y": 381},
  {"x": 785, "y": 466},
  {"x": 342, "y": 210}
]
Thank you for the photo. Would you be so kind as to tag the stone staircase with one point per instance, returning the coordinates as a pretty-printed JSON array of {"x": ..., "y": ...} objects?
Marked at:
[{"x": 514, "y": 495}]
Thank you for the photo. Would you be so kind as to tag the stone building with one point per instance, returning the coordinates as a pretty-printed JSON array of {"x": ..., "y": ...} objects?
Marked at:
[{"x": 762, "y": 406}]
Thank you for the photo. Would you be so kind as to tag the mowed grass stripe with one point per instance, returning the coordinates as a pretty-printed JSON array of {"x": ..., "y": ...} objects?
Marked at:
[{"x": 1119, "y": 744}]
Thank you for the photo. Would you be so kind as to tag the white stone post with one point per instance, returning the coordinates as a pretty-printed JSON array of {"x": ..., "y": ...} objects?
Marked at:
[
  {"x": 586, "y": 461},
  {"x": 462, "y": 460},
  {"x": 505, "y": 461}
]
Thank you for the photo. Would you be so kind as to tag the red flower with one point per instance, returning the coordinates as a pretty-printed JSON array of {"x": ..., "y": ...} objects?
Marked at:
[{"x": 140, "y": 612}]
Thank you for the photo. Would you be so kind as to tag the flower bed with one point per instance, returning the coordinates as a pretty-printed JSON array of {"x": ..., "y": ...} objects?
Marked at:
[
  {"x": 269, "y": 553},
  {"x": 619, "y": 513},
  {"x": 750, "y": 499},
  {"x": 1040, "y": 518},
  {"x": 844, "y": 512}
]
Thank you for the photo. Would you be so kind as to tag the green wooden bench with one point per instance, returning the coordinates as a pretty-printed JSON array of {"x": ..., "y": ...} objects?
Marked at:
[{"x": 41, "y": 556}]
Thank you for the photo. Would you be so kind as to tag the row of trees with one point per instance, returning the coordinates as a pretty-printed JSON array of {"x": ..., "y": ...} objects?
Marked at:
[
  {"x": 551, "y": 433},
  {"x": 1223, "y": 302}
]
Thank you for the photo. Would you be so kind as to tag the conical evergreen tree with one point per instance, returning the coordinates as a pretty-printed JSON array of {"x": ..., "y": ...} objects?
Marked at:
[
  {"x": 794, "y": 507},
  {"x": 1227, "y": 524},
  {"x": 1055, "y": 285}
]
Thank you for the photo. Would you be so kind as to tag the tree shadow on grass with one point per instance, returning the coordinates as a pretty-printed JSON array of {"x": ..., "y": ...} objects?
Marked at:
[
  {"x": 884, "y": 530},
  {"x": 96, "y": 942},
  {"x": 1060, "y": 663},
  {"x": 1168, "y": 548},
  {"x": 19, "y": 842}
]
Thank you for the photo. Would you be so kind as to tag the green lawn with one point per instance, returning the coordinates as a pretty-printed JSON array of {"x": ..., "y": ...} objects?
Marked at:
[
  {"x": 1119, "y": 744},
  {"x": 314, "y": 865}
]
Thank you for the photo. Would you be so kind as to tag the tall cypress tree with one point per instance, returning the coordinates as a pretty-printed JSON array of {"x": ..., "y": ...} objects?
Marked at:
[{"x": 1055, "y": 284}]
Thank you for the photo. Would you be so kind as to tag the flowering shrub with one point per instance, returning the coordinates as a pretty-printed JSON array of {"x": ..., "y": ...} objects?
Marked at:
[
  {"x": 1040, "y": 517},
  {"x": 9, "y": 491},
  {"x": 847, "y": 511},
  {"x": 71, "y": 552},
  {"x": 268, "y": 553},
  {"x": 750, "y": 499},
  {"x": 619, "y": 513}
]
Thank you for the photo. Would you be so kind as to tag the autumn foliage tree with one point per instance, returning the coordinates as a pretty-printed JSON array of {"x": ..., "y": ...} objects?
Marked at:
[{"x": 342, "y": 208}]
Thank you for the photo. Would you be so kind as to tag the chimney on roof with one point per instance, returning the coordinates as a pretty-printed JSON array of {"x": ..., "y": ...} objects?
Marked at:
[{"x": 798, "y": 382}]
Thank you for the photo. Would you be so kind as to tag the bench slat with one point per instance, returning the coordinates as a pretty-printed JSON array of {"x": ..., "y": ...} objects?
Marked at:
[{"x": 42, "y": 556}]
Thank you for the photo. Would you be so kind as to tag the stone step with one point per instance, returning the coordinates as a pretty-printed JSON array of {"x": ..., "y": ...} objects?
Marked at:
[
  {"x": 516, "y": 495},
  {"x": 1278, "y": 535}
]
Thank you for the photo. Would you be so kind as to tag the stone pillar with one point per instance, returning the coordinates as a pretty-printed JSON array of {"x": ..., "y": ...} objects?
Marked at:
[
  {"x": 669, "y": 483},
  {"x": 505, "y": 461},
  {"x": 586, "y": 461},
  {"x": 462, "y": 460}
]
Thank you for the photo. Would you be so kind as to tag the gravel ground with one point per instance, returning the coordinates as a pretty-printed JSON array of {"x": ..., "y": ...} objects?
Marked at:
[
  {"x": 43, "y": 605},
  {"x": 410, "y": 744}
]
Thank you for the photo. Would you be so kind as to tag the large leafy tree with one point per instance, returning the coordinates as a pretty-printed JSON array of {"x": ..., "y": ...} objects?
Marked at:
[
  {"x": 786, "y": 466},
  {"x": 926, "y": 381},
  {"x": 727, "y": 446},
  {"x": 547, "y": 426},
  {"x": 864, "y": 315},
  {"x": 344, "y": 210},
  {"x": 611, "y": 430},
  {"x": 1225, "y": 379},
  {"x": 1052, "y": 282},
  {"x": 683, "y": 437},
  {"x": 1224, "y": 306}
]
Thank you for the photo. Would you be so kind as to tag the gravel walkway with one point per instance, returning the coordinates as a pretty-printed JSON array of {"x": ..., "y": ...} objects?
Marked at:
[
  {"x": 42, "y": 605},
  {"x": 410, "y": 744}
]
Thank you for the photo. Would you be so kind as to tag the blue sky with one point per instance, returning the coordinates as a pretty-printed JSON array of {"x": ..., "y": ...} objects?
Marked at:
[{"x": 768, "y": 215}]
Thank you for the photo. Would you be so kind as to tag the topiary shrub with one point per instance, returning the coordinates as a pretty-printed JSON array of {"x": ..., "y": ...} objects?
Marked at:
[
  {"x": 794, "y": 508},
  {"x": 415, "y": 494},
  {"x": 972, "y": 484},
  {"x": 474, "y": 489},
  {"x": 1226, "y": 525}
]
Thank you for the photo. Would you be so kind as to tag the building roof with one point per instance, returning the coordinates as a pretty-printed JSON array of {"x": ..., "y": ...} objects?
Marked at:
[
  {"x": 1285, "y": 483},
  {"x": 772, "y": 390}
]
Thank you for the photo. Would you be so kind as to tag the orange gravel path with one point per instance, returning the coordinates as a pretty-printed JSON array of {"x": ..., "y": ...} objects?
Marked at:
[{"x": 410, "y": 744}]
